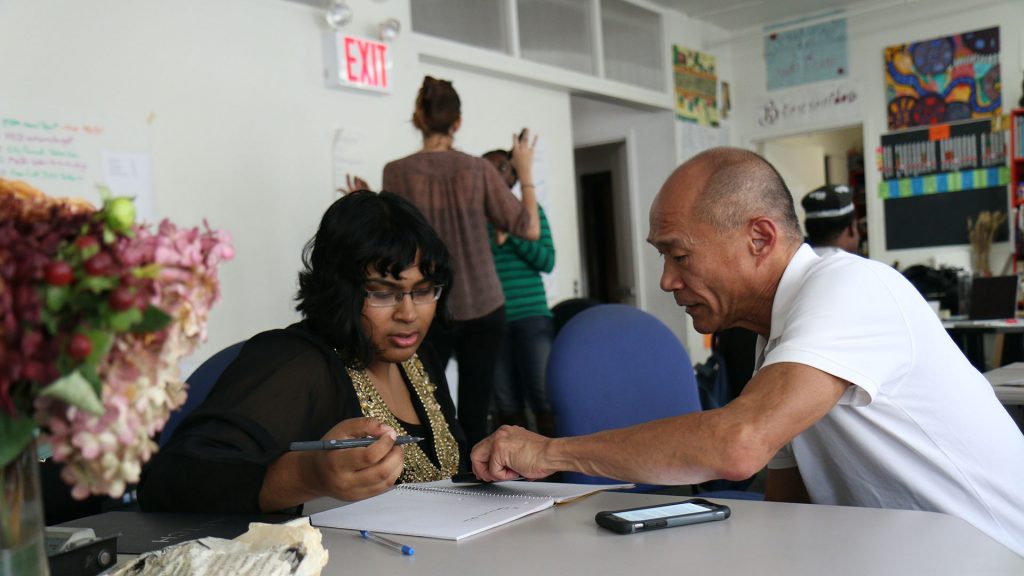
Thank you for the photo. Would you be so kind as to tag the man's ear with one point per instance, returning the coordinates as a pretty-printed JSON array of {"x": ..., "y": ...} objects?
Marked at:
[{"x": 763, "y": 236}]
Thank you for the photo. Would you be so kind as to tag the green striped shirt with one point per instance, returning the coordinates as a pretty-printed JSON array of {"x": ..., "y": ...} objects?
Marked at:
[{"x": 519, "y": 263}]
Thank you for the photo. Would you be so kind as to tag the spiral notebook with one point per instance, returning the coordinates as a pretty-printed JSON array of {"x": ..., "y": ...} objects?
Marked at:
[{"x": 451, "y": 511}]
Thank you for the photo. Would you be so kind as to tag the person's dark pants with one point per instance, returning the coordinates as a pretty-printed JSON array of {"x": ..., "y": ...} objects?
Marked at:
[
  {"x": 475, "y": 344},
  {"x": 522, "y": 362}
]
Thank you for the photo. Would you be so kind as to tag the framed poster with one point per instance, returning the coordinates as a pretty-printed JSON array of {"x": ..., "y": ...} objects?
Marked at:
[
  {"x": 695, "y": 86},
  {"x": 943, "y": 79}
]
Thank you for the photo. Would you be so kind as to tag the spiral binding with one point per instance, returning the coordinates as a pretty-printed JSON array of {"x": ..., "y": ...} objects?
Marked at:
[{"x": 492, "y": 491}]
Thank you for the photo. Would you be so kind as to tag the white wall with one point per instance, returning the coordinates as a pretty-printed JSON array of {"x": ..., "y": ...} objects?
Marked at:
[
  {"x": 801, "y": 159},
  {"x": 242, "y": 125},
  {"x": 650, "y": 149},
  {"x": 869, "y": 32}
]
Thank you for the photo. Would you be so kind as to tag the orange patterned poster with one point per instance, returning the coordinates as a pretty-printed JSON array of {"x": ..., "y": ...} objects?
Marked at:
[{"x": 695, "y": 86}]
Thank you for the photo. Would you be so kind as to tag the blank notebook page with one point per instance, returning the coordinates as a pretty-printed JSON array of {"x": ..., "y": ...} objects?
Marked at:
[{"x": 451, "y": 511}]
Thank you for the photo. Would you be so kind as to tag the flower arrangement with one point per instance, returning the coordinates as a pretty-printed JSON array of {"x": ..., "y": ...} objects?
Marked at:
[{"x": 95, "y": 313}]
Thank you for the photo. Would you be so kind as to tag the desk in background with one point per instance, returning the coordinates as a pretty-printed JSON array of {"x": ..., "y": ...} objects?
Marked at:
[
  {"x": 970, "y": 337},
  {"x": 1008, "y": 383},
  {"x": 759, "y": 538}
]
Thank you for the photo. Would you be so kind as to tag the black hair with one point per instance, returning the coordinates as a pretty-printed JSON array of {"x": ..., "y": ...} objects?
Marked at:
[
  {"x": 364, "y": 231},
  {"x": 824, "y": 231},
  {"x": 507, "y": 156}
]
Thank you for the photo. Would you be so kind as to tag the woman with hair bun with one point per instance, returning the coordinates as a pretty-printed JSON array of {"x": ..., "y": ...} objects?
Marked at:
[{"x": 459, "y": 194}]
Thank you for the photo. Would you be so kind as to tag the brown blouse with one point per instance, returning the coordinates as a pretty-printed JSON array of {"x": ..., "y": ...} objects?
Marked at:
[{"x": 459, "y": 194}]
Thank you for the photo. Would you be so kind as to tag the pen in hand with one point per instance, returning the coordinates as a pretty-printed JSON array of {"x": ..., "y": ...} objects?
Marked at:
[
  {"x": 347, "y": 443},
  {"x": 407, "y": 550}
]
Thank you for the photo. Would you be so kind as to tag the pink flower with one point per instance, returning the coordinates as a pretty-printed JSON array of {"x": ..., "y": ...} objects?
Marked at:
[{"x": 171, "y": 268}]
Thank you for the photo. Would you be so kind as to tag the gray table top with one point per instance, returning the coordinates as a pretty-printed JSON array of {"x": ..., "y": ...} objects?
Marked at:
[
  {"x": 1008, "y": 383},
  {"x": 759, "y": 538}
]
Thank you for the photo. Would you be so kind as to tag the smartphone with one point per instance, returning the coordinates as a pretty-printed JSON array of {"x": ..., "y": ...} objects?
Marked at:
[{"x": 645, "y": 518}]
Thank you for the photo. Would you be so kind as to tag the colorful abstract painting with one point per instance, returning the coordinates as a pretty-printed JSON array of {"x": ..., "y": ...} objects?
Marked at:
[
  {"x": 695, "y": 85},
  {"x": 943, "y": 79}
]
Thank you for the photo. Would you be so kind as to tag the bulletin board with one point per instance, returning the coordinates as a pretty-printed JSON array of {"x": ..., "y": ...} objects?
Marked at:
[
  {"x": 70, "y": 157},
  {"x": 935, "y": 178},
  {"x": 940, "y": 219}
]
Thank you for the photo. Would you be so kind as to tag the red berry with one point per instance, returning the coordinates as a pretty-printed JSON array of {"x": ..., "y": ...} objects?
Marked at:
[
  {"x": 83, "y": 242},
  {"x": 80, "y": 347},
  {"x": 122, "y": 298},
  {"x": 58, "y": 273},
  {"x": 34, "y": 371},
  {"x": 99, "y": 264}
]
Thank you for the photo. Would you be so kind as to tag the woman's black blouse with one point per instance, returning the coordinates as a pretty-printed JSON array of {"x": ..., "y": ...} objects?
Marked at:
[{"x": 285, "y": 386}]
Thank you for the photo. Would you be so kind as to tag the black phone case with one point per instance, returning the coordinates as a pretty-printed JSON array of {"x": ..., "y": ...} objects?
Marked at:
[{"x": 605, "y": 519}]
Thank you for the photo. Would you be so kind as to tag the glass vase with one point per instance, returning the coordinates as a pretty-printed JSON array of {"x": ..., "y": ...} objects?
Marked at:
[{"x": 22, "y": 524}]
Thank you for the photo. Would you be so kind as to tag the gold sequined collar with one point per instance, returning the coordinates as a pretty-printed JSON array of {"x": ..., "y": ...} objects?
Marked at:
[{"x": 418, "y": 467}]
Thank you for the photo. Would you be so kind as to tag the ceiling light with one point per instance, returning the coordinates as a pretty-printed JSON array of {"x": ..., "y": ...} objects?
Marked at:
[
  {"x": 389, "y": 29},
  {"x": 338, "y": 14}
]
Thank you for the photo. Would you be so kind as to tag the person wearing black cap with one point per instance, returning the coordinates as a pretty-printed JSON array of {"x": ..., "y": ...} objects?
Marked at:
[{"x": 831, "y": 220}]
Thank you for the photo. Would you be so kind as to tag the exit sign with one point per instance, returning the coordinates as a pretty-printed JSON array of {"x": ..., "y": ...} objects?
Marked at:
[{"x": 359, "y": 63}]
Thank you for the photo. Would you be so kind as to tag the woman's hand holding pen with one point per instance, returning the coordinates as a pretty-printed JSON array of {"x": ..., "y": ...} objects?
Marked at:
[
  {"x": 356, "y": 473},
  {"x": 351, "y": 474}
]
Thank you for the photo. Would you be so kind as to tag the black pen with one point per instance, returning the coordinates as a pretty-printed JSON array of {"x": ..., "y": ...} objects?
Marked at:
[{"x": 347, "y": 443}]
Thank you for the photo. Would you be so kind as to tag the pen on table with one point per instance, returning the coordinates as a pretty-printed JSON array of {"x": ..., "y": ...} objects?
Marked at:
[
  {"x": 346, "y": 443},
  {"x": 407, "y": 550}
]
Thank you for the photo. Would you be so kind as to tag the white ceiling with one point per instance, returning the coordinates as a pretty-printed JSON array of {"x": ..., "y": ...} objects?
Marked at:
[{"x": 737, "y": 15}]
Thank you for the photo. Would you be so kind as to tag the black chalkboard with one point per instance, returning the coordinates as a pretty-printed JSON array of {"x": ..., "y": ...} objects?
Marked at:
[{"x": 940, "y": 219}]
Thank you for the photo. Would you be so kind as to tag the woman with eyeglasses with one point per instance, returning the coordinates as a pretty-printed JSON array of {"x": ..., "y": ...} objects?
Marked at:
[{"x": 375, "y": 277}]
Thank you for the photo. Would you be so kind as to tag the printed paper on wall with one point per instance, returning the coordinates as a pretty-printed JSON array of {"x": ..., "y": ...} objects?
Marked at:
[
  {"x": 695, "y": 86},
  {"x": 805, "y": 55}
]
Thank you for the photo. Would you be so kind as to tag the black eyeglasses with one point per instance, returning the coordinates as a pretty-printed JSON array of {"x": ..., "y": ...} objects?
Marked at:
[{"x": 391, "y": 298}]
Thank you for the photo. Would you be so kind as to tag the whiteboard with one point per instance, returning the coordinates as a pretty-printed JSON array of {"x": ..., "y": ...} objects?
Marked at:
[{"x": 72, "y": 157}]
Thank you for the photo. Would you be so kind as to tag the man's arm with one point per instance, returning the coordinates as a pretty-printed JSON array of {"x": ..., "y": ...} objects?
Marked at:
[{"x": 732, "y": 442}]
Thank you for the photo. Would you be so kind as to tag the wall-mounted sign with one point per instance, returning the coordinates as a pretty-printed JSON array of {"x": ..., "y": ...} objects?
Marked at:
[
  {"x": 359, "y": 63},
  {"x": 805, "y": 55},
  {"x": 831, "y": 103}
]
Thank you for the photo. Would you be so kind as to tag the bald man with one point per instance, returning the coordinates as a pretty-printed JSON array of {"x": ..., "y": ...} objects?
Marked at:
[{"x": 859, "y": 396}]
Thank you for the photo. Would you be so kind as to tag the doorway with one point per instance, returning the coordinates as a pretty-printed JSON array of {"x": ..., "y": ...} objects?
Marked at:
[
  {"x": 807, "y": 161},
  {"x": 605, "y": 229}
]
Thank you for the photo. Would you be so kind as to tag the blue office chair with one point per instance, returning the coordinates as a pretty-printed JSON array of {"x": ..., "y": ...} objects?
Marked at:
[
  {"x": 200, "y": 382},
  {"x": 613, "y": 366}
]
